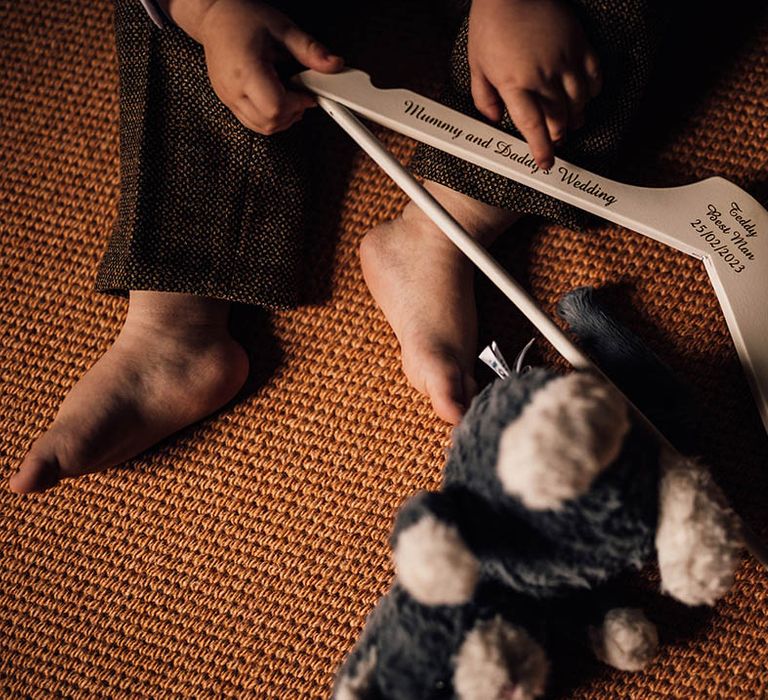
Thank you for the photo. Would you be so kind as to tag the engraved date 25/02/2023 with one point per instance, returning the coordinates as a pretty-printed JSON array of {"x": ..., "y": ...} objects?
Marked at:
[{"x": 722, "y": 237}]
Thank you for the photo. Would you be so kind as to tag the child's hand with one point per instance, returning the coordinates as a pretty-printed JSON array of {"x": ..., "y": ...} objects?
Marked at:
[
  {"x": 243, "y": 40},
  {"x": 532, "y": 57}
]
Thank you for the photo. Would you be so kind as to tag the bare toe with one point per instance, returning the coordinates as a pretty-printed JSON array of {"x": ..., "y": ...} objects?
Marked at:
[
  {"x": 39, "y": 471},
  {"x": 449, "y": 386}
]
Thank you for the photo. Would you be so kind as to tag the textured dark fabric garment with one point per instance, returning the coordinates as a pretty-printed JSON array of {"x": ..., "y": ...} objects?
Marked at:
[
  {"x": 625, "y": 36},
  {"x": 210, "y": 208},
  {"x": 206, "y": 206}
]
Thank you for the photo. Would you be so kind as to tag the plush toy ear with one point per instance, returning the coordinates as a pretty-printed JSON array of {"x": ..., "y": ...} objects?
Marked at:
[
  {"x": 355, "y": 680},
  {"x": 573, "y": 427}
]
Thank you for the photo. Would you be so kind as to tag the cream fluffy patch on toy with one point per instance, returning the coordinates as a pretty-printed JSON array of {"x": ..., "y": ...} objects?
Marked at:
[
  {"x": 434, "y": 565},
  {"x": 355, "y": 686},
  {"x": 698, "y": 537},
  {"x": 571, "y": 430},
  {"x": 485, "y": 657}
]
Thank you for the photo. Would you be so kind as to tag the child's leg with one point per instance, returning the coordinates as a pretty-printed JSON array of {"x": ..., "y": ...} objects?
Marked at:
[
  {"x": 209, "y": 213},
  {"x": 421, "y": 281},
  {"x": 424, "y": 286}
]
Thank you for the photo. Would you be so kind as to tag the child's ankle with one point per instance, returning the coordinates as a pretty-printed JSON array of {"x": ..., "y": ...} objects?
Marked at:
[{"x": 482, "y": 221}]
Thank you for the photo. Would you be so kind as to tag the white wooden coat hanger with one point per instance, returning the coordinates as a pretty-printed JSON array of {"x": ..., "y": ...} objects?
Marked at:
[
  {"x": 669, "y": 215},
  {"x": 712, "y": 220}
]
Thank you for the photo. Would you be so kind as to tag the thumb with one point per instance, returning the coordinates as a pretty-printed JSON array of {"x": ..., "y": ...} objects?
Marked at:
[{"x": 310, "y": 52}]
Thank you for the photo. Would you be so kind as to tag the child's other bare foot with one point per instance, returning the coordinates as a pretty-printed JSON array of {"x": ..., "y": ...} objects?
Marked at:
[
  {"x": 424, "y": 286},
  {"x": 172, "y": 364}
]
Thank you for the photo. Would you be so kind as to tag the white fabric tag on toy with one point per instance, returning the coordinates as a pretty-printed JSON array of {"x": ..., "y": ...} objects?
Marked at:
[{"x": 492, "y": 357}]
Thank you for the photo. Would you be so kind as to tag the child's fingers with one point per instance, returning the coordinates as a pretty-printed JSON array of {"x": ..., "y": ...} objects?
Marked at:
[
  {"x": 486, "y": 98},
  {"x": 554, "y": 104},
  {"x": 246, "y": 114},
  {"x": 593, "y": 73},
  {"x": 274, "y": 107},
  {"x": 526, "y": 113},
  {"x": 298, "y": 101},
  {"x": 576, "y": 89},
  {"x": 249, "y": 116},
  {"x": 308, "y": 51}
]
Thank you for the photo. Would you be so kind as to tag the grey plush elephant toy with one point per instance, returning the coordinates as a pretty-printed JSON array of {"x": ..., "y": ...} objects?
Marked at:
[{"x": 551, "y": 489}]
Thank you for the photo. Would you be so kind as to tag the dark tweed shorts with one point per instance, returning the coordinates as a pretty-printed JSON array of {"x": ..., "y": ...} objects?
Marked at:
[{"x": 208, "y": 207}]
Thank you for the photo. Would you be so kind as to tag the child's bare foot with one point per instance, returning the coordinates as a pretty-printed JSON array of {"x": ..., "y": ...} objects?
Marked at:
[
  {"x": 424, "y": 286},
  {"x": 173, "y": 363}
]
